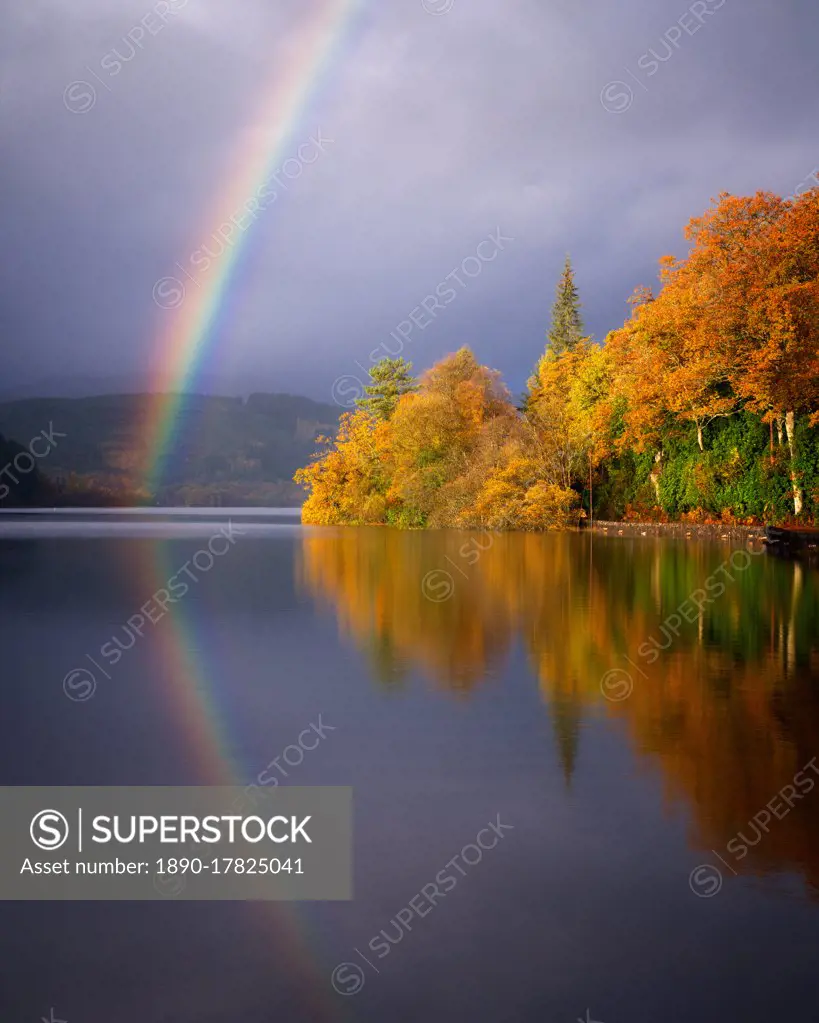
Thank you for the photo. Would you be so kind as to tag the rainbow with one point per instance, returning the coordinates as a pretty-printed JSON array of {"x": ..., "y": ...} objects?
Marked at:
[
  {"x": 192, "y": 695},
  {"x": 198, "y": 300}
]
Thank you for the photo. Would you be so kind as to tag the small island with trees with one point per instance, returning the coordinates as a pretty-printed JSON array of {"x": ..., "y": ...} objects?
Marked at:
[{"x": 702, "y": 407}]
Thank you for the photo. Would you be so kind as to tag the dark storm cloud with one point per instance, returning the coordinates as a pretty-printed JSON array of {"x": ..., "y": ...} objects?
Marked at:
[{"x": 597, "y": 129}]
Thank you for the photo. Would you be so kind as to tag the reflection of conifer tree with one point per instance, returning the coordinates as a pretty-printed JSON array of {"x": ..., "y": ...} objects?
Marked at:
[
  {"x": 387, "y": 666},
  {"x": 566, "y": 710}
]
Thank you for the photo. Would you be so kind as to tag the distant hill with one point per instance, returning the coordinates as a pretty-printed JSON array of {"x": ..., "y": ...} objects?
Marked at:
[
  {"x": 227, "y": 451},
  {"x": 75, "y": 385},
  {"x": 21, "y": 485}
]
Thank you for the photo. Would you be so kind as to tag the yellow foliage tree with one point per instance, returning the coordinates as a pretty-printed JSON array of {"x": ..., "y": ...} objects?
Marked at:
[{"x": 346, "y": 482}]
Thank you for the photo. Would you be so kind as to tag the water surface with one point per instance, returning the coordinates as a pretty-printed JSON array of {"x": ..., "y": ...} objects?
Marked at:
[{"x": 458, "y": 679}]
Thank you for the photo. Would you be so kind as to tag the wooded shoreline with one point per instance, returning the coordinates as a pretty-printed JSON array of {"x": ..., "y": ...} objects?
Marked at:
[{"x": 702, "y": 407}]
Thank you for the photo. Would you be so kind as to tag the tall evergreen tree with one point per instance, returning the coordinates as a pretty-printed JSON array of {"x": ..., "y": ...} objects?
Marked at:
[
  {"x": 566, "y": 330},
  {"x": 390, "y": 378}
]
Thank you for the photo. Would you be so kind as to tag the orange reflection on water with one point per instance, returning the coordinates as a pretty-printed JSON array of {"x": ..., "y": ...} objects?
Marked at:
[{"x": 729, "y": 712}]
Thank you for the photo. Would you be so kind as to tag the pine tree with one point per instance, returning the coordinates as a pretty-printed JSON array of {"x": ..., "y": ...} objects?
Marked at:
[
  {"x": 390, "y": 378},
  {"x": 564, "y": 334},
  {"x": 566, "y": 330}
]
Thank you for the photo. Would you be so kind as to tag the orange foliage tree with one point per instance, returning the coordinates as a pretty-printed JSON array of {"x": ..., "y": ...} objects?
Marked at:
[
  {"x": 456, "y": 452},
  {"x": 732, "y": 332}
]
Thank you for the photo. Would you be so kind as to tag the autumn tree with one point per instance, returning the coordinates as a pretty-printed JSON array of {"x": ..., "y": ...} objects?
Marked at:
[
  {"x": 665, "y": 368},
  {"x": 346, "y": 482},
  {"x": 758, "y": 259},
  {"x": 437, "y": 433},
  {"x": 568, "y": 413}
]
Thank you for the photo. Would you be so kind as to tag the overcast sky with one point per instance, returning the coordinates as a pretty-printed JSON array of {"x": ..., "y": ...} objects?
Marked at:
[{"x": 448, "y": 120}]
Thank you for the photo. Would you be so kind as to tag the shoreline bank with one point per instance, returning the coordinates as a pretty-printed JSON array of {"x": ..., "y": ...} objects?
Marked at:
[{"x": 682, "y": 530}]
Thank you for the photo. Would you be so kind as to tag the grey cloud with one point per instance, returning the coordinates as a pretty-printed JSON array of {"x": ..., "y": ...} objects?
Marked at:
[{"x": 443, "y": 128}]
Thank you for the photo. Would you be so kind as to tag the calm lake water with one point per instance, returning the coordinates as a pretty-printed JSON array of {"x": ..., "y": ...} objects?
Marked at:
[{"x": 564, "y": 685}]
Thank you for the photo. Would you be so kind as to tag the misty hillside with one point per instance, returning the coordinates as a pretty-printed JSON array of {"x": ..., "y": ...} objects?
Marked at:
[{"x": 226, "y": 450}]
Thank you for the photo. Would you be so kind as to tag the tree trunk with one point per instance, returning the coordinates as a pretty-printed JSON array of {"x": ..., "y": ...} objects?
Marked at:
[
  {"x": 654, "y": 476},
  {"x": 797, "y": 490},
  {"x": 699, "y": 437}
]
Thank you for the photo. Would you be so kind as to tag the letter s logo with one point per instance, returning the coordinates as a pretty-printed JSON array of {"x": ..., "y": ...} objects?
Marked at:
[{"x": 48, "y": 830}]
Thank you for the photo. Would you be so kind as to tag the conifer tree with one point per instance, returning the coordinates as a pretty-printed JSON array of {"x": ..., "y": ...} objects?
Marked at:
[
  {"x": 390, "y": 378},
  {"x": 564, "y": 334},
  {"x": 566, "y": 330}
]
